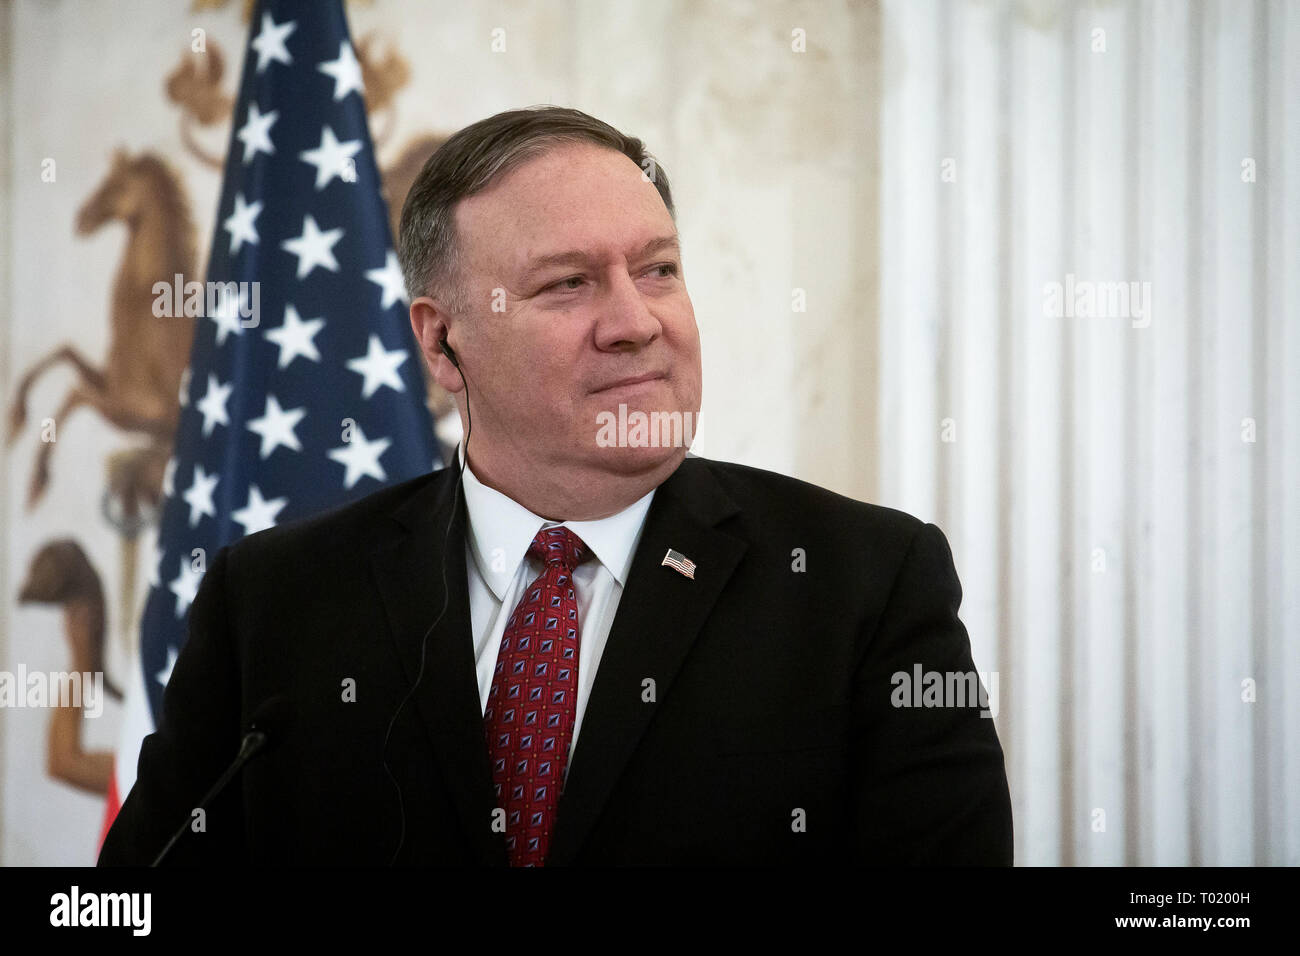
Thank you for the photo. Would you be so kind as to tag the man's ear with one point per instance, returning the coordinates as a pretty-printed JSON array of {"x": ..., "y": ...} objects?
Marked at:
[{"x": 430, "y": 325}]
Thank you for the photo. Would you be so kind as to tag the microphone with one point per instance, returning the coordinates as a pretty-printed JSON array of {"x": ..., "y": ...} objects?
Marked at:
[{"x": 269, "y": 723}]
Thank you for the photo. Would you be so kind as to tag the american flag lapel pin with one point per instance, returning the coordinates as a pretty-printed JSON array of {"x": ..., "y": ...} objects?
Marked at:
[{"x": 679, "y": 563}]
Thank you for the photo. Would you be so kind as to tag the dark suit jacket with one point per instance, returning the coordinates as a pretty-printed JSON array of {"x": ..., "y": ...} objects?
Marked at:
[{"x": 743, "y": 717}]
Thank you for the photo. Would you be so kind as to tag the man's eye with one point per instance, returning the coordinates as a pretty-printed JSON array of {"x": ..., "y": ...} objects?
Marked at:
[
  {"x": 564, "y": 285},
  {"x": 670, "y": 266}
]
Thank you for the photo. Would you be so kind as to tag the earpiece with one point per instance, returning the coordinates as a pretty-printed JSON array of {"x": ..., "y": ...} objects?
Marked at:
[{"x": 446, "y": 350}]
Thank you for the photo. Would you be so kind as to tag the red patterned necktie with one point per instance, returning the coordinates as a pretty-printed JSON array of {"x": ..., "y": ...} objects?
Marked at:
[{"x": 530, "y": 708}]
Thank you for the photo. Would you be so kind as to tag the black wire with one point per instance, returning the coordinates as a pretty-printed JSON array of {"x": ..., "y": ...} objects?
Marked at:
[{"x": 424, "y": 643}]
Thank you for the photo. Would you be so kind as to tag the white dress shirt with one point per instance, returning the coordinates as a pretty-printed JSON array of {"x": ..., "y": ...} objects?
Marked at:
[{"x": 499, "y": 570}]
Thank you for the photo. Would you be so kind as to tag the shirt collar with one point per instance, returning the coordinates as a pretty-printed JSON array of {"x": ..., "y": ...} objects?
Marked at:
[{"x": 501, "y": 530}]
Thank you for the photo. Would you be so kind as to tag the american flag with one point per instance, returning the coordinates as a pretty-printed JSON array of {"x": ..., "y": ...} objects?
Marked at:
[
  {"x": 679, "y": 562},
  {"x": 320, "y": 402}
]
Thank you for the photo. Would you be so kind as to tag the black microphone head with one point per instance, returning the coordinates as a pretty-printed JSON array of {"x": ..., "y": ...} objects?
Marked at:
[{"x": 273, "y": 717}]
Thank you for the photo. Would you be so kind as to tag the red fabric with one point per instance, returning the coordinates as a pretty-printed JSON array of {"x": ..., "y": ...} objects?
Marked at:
[
  {"x": 111, "y": 806},
  {"x": 532, "y": 703}
]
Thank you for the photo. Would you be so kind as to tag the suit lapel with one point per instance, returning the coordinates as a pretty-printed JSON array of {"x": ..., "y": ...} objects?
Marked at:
[
  {"x": 659, "y": 616},
  {"x": 408, "y": 571}
]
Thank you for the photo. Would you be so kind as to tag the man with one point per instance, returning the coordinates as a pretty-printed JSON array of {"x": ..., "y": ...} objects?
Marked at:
[{"x": 584, "y": 650}]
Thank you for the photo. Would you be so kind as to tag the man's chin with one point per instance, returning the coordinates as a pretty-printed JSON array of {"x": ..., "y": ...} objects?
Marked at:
[{"x": 635, "y": 459}]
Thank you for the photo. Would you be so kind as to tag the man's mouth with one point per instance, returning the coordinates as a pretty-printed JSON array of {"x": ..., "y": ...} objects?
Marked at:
[{"x": 629, "y": 382}]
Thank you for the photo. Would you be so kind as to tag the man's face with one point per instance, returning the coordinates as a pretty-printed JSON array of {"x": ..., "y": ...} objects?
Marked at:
[{"x": 581, "y": 253}]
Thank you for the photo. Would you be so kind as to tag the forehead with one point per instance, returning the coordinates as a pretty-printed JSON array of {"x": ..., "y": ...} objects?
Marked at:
[{"x": 573, "y": 196}]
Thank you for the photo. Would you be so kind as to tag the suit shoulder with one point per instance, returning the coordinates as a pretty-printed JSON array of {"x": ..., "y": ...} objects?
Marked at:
[
  {"x": 769, "y": 491},
  {"x": 341, "y": 528}
]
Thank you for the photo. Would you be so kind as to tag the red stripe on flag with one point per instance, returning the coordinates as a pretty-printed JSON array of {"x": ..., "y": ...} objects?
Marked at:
[{"x": 111, "y": 807}]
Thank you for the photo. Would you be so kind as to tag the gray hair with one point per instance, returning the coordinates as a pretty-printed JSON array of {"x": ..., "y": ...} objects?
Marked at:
[{"x": 468, "y": 163}]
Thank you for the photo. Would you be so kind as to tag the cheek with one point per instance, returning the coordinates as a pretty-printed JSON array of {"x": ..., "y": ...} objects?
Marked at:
[
  {"x": 553, "y": 377},
  {"x": 687, "y": 340},
  {"x": 515, "y": 384},
  {"x": 683, "y": 322}
]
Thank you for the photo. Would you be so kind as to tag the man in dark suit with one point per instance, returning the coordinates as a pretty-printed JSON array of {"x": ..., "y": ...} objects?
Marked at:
[{"x": 575, "y": 647}]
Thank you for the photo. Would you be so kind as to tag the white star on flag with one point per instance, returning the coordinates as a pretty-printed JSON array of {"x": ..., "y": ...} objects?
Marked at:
[
  {"x": 295, "y": 337},
  {"x": 259, "y": 514},
  {"x": 228, "y": 317},
  {"x": 164, "y": 676},
  {"x": 213, "y": 405},
  {"x": 186, "y": 586},
  {"x": 240, "y": 223},
  {"x": 255, "y": 134},
  {"x": 331, "y": 158},
  {"x": 389, "y": 279},
  {"x": 361, "y": 457},
  {"x": 276, "y": 427},
  {"x": 345, "y": 70},
  {"x": 314, "y": 248},
  {"x": 379, "y": 368},
  {"x": 269, "y": 44},
  {"x": 199, "y": 495}
]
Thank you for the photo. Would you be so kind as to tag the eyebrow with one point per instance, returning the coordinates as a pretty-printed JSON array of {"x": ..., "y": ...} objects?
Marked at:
[{"x": 576, "y": 257}]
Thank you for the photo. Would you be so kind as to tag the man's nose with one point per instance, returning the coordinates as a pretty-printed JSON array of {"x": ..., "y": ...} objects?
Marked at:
[{"x": 626, "y": 322}]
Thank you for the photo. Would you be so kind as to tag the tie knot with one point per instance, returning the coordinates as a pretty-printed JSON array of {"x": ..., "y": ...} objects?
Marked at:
[{"x": 559, "y": 546}]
